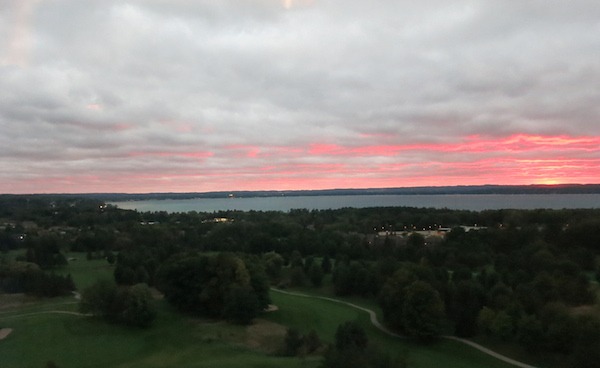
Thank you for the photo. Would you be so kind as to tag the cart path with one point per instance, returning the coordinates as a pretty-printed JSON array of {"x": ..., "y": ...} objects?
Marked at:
[
  {"x": 44, "y": 312},
  {"x": 378, "y": 325},
  {"x": 14, "y": 308}
]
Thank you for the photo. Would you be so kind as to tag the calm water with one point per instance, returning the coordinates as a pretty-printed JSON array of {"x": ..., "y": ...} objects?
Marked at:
[{"x": 475, "y": 202}]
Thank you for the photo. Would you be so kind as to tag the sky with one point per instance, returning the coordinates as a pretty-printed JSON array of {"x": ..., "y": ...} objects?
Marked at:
[{"x": 201, "y": 95}]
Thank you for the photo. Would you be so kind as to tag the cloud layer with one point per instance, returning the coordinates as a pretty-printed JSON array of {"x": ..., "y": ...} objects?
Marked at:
[{"x": 175, "y": 95}]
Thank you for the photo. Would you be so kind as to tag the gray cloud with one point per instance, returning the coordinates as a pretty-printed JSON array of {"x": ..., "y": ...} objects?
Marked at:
[{"x": 111, "y": 84}]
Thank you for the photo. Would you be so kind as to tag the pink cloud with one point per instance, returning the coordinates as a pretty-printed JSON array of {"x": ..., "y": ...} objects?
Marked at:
[
  {"x": 517, "y": 159},
  {"x": 470, "y": 144}
]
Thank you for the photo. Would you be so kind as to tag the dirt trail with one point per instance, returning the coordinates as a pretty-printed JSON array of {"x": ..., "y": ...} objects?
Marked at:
[{"x": 377, "y": 324}]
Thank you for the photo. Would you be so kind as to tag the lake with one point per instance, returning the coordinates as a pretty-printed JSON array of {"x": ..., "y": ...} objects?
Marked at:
[{"x": 475, "y": 202}]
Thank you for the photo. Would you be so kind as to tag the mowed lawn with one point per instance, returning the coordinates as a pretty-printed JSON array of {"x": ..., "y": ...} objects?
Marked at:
[
  {"x": 176, "y": 340},
  {"x": 324, "y": 317},
  {"x": 84, "y": 272},
  {"x": 173, "y": 341}
]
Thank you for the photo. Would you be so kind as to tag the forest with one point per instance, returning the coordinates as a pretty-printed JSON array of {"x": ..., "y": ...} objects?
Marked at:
[{"x": 526, "y": 278}]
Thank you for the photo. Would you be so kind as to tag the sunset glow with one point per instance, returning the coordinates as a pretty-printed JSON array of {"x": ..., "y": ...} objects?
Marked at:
[{"x": 512, "y": 160}]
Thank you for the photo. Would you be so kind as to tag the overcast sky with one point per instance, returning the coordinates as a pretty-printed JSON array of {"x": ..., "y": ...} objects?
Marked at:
[{"x": 203, "y": 95}]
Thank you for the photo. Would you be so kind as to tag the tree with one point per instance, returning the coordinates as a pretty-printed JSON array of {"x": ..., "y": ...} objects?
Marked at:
[
  {"x": 312, "y": 341},
  {"x": 326, "y": 265},
  {"x": 273, "y": 265},
  {"x": 210, "y": 286},
  {"x": 126, "y": 305},
  {"x": 293, "y": 341},
  {"x": 137, "y": 307},
  {"x": 99, "y": 299},
  {"x": 587, "y": 347},
  {"x": 392, "y": 296},
  {"x": 350, "y": 336},
  {"x": 259, "y": 281},
  {"x": 560, "y": 328},
  {"x": 335, "y": 358},
  {"x": 530, "y": 333},
  {"x": 297, "y": 276},
  {"x": 485, "y": 318},
  {"x": 352, "y": 350},
  {"x": 342, "y": 279},
  {"x": 315, "y": 274},
  {"x": 44, "y": 251},
  {"x": 502, "y": 326},
  {"x": 467, "y": 301},
  {"x": 241, "y": 305},
  {"x": 423, "y": 311},
  {"x": 296, "y": 259}
]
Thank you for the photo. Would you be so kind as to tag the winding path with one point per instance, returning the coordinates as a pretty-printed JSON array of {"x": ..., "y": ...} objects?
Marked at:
[{"x": 378, "y": 325}]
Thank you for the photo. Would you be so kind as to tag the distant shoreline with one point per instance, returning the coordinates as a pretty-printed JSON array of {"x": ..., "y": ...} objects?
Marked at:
[
  {"x": 471, "y": 202},
  {"x": 424, "y": 190}
]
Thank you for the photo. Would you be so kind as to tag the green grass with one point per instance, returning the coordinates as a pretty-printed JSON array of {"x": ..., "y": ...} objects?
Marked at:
[
  {"x": 305, "y": 314},
  {"x": 179, "y": 341},
  {"x": 324, "y": 317},
  {"x": 74, "y": 341},
  {"x": 84, "y": 272},
  {"x": 173, "y": 341}
]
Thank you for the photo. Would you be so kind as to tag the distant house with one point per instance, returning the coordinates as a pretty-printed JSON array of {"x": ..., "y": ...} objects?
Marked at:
[{"x": 217, "y": 220}]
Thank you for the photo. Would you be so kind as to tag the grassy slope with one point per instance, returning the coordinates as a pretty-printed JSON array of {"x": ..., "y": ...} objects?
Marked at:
[{"x": 323, "y": 316}]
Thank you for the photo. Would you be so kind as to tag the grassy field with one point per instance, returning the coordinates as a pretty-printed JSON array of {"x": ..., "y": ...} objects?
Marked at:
[
  {"x": 179, "y": 341},
  {"x": 324, "y": 317},
  {"x": 84, "y": 272},
  {"x": 173, "y": 341}
]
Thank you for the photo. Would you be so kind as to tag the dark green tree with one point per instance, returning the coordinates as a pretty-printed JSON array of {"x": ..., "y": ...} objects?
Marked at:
[
  {"x": 273, "y": 265},
  {"x": 312, "y": 342},
  {"x": 467, "y": 301},
  {"x": 204, "y": 285},
  {"x": 138, "y": 309},
  {"x": 99, "y": 299},
  {"x": 241, "y": 305},
  {"x": 423, "y": 311},
  {"x": 327, "y": 266},
  {"x": 530, "y": 333},
  {"x": 352, "y": 350},
  {"x": 350, "y": 336},
  {"x": 293, "y": 341},
  {"x": 126, "y": 305},
  {"x": 392, "y": 296},
  {"x": 315, "y": 274},
  {"x": 297, "y": 276}
]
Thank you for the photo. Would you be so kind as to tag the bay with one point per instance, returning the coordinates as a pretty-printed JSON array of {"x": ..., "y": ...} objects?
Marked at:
[{"x": 474, "y": 202}]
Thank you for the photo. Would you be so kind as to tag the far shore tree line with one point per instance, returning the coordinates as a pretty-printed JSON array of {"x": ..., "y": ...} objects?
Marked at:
[{"x": 526, "y": 277}]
